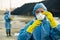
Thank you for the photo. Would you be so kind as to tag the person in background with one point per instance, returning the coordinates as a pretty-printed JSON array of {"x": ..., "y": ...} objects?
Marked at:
[
  {"x": 43, "y": 27},
  {"x": 7, "y": 22}
]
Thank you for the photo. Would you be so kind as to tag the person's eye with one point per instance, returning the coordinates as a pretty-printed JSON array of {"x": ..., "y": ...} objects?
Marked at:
[
  {"x": 42, "y": 11},
  {"x": 37, "y": 11}
]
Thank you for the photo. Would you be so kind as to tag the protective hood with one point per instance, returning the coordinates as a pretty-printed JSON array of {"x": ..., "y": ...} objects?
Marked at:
[{"x": 37, "y": 6}]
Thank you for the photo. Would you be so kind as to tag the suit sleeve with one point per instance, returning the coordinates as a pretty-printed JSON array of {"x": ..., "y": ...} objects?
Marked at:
[
  {"x": 55, "y": 32},
  {"x": 23, "y": 35}
]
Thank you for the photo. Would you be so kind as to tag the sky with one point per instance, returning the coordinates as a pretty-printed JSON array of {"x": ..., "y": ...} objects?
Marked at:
[{"x": 14, "y": 3}]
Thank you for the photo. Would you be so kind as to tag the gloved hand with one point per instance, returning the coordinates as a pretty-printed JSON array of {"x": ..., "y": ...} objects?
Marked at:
[
  {"x": 49, "y": 15},
  {"x": 31, "y": 28},
  {"x": 11, "y": 18}
]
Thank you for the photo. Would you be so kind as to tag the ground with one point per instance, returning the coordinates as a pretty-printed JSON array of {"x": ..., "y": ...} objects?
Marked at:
[
  {"x": 8, "y": 38},
  {"x": 4, "y": 37}
]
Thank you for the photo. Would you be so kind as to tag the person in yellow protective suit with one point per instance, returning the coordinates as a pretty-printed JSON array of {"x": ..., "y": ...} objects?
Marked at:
[{"x": 44, "y": 27}]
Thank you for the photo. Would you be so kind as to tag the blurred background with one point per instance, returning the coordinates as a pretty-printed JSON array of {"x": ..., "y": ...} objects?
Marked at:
[{"x": 21, "y": 11}]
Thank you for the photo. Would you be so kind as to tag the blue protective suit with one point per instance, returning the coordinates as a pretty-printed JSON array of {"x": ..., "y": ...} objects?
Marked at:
[
  {"x": 42, "y": 32},
  {"x": 7, "y": 20}
]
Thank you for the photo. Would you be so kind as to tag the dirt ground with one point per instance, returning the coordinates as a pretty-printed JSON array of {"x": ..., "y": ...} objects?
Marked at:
[
  {"x": 4, "y": 37},
  {"x": 8, "y": 38}
]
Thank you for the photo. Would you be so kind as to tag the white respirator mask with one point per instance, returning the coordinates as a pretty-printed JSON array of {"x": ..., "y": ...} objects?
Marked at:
[{"x": 40, "y": 16}]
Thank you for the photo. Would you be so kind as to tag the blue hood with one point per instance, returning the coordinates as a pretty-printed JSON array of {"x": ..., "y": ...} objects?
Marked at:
[{"x": 37, "y": 6}]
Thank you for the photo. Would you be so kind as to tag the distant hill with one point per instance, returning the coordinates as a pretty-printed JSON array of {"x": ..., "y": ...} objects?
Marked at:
[{"x": 26, "y": 9}]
